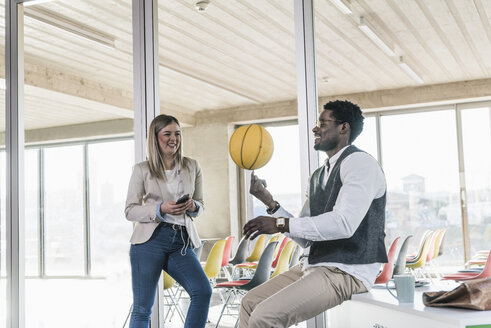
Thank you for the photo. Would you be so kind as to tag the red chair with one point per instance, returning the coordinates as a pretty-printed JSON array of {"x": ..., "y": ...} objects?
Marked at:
[
  {"x": 461, "y": 276},
  {"x": 388, "y": 268},
  {"x": 280, "y": 249},
  {"x": 227, "y": 250}
]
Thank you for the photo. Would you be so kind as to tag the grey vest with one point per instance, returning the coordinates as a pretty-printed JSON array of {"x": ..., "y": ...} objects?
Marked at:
[{"x": 367, "y": 243}]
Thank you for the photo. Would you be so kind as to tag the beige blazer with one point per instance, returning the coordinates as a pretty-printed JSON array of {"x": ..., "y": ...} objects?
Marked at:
[{"x": 145, "y": 192}]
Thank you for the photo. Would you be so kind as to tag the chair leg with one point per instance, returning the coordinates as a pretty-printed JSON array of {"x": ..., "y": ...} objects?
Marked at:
[{"x": 223, "y": 308}]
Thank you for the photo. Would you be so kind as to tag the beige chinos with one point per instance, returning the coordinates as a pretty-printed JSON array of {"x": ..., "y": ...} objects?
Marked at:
[{"x": 296, "y": 296}]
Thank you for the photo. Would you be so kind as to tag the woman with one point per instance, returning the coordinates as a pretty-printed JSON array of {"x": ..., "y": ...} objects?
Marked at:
[{"x": 164, "y": 230}]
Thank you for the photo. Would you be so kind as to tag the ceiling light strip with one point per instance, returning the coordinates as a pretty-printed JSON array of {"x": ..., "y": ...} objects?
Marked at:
[
  {"x": 410, "y": 71},
  {"x": 68, "y": 25},
  {"x": 342, "y": 6},
  {"x": 370, "y": 33}
]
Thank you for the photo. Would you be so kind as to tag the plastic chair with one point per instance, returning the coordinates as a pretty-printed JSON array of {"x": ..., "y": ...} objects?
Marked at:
[
  {"x": 295, "y": 258},
  {"x": 253, "y": 265},
  {"x": 284, "y": 259},
  {"x": 410, "y": 258},
  {"x": 258, "y": 249},
  {"x": 462, "y": 276},
  {"x": 400, "y": 264},
  {"x": 388, "y": 267},
  {"x": 420, "y": 259},
  {"x": 439, "y": 243},
  {"x": 241, "y": 254},
  {"x": 199, "y": 250},
  {"x": 214, "y": 261},
  {"x": 171, "y": 300},
  {"x": 280, "y": 250},
  {"x": 261, "y": 275},
  {"x": 226, "y": 256}
]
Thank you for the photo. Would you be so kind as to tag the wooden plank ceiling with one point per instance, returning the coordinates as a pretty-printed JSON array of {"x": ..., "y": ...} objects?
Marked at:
[{"x": 238, "y": 53}]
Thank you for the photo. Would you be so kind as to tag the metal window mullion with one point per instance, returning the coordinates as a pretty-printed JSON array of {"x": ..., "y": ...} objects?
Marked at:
[
  {"x": 306, "y": 88},
  {"x": 14, "y": 141},
  {"x": 463, "y": 190},
  {"x": 307, "y": 102},
  {"x": 379, "y": 139},
  {"x": 42, "y": 222},
  {"x": 146, "y": 93},
  {"x": 87, "y": 253}
]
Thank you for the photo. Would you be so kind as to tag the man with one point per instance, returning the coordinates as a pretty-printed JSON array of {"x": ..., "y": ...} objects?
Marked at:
[{"x": 342, "y": 222}]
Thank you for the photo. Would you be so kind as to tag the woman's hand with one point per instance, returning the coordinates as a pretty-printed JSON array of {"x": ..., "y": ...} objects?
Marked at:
[
  {"x": 190, "y": 205},
  {"x": 177, "y": 209}
]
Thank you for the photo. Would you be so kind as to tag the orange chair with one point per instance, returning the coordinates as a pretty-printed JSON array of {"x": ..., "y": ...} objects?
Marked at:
[
  {"x": 462, "y": 276},
  {"x": 388, "y": 267}
]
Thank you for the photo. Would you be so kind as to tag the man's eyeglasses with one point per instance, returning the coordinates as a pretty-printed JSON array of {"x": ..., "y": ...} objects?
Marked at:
[{"x": 322, "y": 123}]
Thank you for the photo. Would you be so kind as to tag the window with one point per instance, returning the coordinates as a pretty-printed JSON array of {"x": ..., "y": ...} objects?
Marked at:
[
  {"x": 64, "y": 210},
  {"x": 285, "y": 162},
  {"x": 476, "y": 135},
  {"x": 420, "y": 160},
  {"x": 109, "y": 173},
  {"x": 32, "y": 226}
]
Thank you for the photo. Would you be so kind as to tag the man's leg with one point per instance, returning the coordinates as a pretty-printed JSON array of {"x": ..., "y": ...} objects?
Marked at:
[
  {"x": 260, "y": 293},
  {"x": 319, "y": 289}
]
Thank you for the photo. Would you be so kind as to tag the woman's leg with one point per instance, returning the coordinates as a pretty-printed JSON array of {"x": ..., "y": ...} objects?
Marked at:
[
  {"x": 146, "y": 268},
  {"x": 187, "y": 271}
]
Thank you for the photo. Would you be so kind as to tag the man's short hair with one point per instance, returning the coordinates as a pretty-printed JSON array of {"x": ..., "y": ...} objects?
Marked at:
[{"x": 346, "y": 111}]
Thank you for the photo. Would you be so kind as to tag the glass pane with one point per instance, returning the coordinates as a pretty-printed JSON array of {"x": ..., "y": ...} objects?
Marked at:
[
  {"x": 64, "y": 211},
  {"x": 78, "y": 90},
  {"x": 110, "y": 165},
  {"x": 421, "y": 167},
  {"x": 32, "y": 249},
  {"x": 367, "y": 140},
  {"x": 3, "y": 241},
  {"x": 476, "y": 133},
  {"x": 284, "y": 163},
  {"x": 3, "y": 183},
  {"x": 108, "y": 187}
]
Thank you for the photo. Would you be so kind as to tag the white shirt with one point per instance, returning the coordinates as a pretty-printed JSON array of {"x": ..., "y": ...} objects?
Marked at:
[
  {"x": 175, "y": 187},
  {"x": 363, "y": 181}
]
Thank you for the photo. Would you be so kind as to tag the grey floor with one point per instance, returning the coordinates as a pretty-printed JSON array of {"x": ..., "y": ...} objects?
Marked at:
[{"x": 215, "y": 309}]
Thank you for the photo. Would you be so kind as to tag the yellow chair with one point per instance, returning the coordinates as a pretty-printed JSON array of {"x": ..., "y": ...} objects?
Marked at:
[
  {"x": 171, "y": 299},
  {"x": 258, "y": 249},
  {"x": 420, "y": 260},
  {"x": 276, "y": 237},
  {"x": 214, "y": 261},
  {"x": 284, "y": 261}
]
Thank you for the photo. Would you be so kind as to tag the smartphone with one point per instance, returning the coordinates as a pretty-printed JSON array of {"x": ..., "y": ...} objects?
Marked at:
[{"x": 182, "y": 199}]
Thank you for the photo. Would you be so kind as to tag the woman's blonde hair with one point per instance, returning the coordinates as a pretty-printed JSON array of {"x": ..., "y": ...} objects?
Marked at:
[{"x": 155, "y": 160}]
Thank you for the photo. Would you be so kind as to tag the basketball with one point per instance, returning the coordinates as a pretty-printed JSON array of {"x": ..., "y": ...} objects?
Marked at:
[{"x": 251, "y": 146}]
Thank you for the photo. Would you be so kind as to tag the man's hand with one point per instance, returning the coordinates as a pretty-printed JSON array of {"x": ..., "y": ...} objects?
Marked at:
[
  {"x": 259, "y": 191},
  {"x": 260, "y": 225}
]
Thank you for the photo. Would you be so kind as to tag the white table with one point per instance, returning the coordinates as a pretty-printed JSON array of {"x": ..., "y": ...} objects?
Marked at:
[{"x": 378, "y": 309}]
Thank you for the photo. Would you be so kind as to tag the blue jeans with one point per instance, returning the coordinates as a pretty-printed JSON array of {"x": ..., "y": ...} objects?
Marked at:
[{"x": 163, "y": 251}]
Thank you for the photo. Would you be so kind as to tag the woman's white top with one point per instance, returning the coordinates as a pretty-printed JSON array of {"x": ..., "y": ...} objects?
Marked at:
[{"x": 175, "y": 187}]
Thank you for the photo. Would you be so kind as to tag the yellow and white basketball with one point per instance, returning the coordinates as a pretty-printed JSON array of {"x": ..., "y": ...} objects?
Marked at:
[{"x": 251, "y": 146}]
